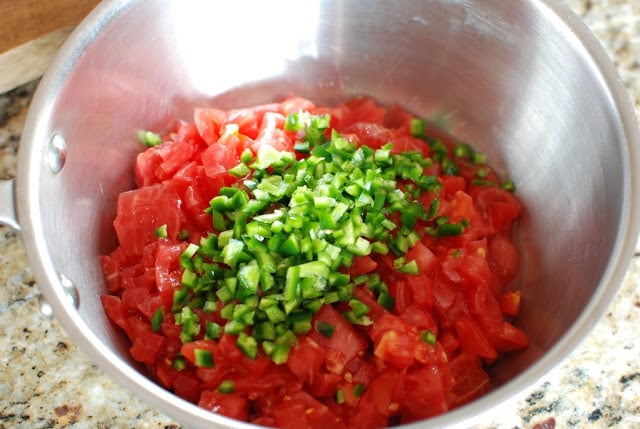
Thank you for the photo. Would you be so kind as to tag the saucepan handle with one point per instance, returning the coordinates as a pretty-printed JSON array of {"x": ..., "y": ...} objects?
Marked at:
[{"x": 7, "y": 205}]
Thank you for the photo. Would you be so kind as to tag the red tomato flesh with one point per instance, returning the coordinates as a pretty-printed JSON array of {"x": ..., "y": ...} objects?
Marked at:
[{"x": 431, "y": 333}]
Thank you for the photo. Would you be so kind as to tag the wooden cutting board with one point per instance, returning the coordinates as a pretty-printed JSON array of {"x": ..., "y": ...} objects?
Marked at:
[{"x": 31, "y": 32}]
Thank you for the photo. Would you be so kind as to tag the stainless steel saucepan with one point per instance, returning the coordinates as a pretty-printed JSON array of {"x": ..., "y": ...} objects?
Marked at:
[{"x": 524, "y": 81}]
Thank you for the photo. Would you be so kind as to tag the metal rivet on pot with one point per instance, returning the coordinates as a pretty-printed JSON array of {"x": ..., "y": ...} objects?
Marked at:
[
  {"x": 45, "y": 307},
  {"x": 57, "y": 153},
  {"x": 70, "y": 290}
]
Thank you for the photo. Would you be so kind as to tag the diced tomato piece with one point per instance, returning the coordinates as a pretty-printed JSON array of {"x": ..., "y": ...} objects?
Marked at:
[
  {"x": 399, "y": 118},
  {"x": 209, "y": 123},
  {"x": 444, "y": 292},
  {"x": 174, "y": 156},
  {"x": 453, "y": 184},
  {"x": 220, "y": 157},
  {"x": 271, "y": 133},
  {"x": 305, "y": 360},
  {"x": 345, "y": 343},
  {"x": 325, "y": 385},
  {"x": 473, "y": 269},
  {"x": 366, "y": 297},
  {"x": 188, "y": 350},
  {"x": 248, "y": 119},
  {"x": 301, "y": 410},
  {"x": 472, "y": 340},
  {"x": 421, "y": 290},
  {"x": 497, "y": 205},
  {"x": 140, "y": 212},
  {"x": 149, "y": 306},
  {"x": 512, "y": 338},
  {"x": 131, "y": 298},
  {"x": 424, "y": 395},
  {"x": 504, "y": 257},
  {"x": 168, "y": 273},
  {"x": 113, "y": 308},
  {"x": 462, "y": 207},
  {"x": 423, "y": 256},
  {"x": 470, "y": 380},
  {"x": 227, "y": 404},
  {"x": 367, "y": 416},
  {"x": 510, "y": 302},
  {"x": 275, "y": 377},
  {"x": 362, "y": 110},
  {"x": 394, "y": 341},
  {"x": 111, "y": 269},
  {"x": 296, "y": 105},
  {"x": 401, "y": 292},
  {"x": 146, "y": 344},
  {"x": 362, "y": 265},
  {"x": 187, "y": 385},
  {"x": 370, "y": 134},
  {"x": 387, "y": 392},
  {"x": 416, "y": 316}
]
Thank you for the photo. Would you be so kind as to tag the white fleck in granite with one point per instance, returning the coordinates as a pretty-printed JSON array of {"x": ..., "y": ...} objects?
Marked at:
[{"x": 45, "y": 381}]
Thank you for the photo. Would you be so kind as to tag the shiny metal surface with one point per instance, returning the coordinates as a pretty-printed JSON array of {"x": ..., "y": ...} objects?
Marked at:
[{"x": 524, "y": 81}]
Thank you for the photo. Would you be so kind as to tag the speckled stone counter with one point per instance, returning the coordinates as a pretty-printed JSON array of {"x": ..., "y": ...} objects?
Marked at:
[{"x": 45, "y": 381}]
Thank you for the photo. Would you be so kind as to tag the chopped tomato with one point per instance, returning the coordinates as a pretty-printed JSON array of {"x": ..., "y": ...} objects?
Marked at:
[
  {"x": 472, "y": 340},
  {"x": 228, "y": 404},
  {"x": 415, "y": 318},
  {"x": 343, "y": 345},
  {"x": 503, "y": 257},
  {"x": 146, "y": 345},
  {"x": 301, "y": 410},
  {"x": 209, "y": 123},
  {"x": 305, "y": 360},
  {"x": 470, "y": 380},
  {"x": 362, "y": 265},
  {"x": 510, "y": 302},
  {"x": 141, "y": 212},
  {"x": 424, "y": 257},
  {"x": 394, "y": 341},
  {"x": 424, "y": 395}
]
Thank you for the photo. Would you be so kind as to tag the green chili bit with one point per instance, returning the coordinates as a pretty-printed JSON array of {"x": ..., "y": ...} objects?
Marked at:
[{"x": 285, "y": 229}]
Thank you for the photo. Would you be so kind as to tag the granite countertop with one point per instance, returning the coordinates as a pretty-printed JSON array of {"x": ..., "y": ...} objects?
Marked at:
[{"x": 46, "y": 381}]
